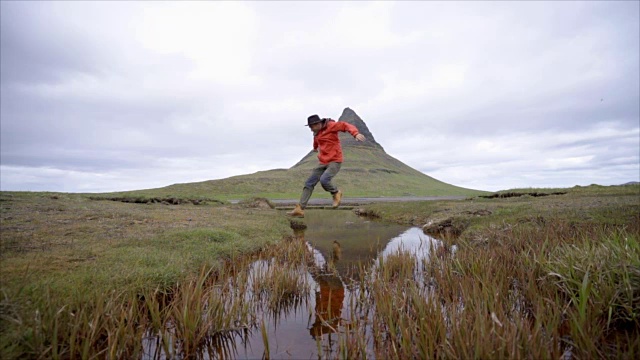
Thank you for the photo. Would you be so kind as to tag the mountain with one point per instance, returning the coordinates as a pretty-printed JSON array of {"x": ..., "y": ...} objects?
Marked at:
[{"x": 367, "y": 171}]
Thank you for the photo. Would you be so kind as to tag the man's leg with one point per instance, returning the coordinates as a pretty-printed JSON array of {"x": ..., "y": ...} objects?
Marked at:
[
  {"x": 311, "y": 182},
  {"x": 325, "y": 179}
]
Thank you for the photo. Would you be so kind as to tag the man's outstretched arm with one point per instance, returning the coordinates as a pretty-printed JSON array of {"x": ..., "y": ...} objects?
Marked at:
[{"x": 346, "y": 127}]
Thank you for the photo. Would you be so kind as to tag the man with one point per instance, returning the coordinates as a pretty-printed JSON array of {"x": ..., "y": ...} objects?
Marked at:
[{"x": 327, "y": 143}]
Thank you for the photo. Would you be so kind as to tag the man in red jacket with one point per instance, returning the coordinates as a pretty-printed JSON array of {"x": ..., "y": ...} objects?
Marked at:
[{"x": 327, "y": 143}]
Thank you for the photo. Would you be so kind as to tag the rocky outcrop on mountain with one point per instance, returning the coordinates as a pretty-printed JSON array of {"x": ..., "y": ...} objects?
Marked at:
[{"x": 352, "y": 118}]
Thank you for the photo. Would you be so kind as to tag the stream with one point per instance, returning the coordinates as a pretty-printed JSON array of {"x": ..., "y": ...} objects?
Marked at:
[
  {"x": 345, "y": 248},
  {"x": 301, "y": 333}
]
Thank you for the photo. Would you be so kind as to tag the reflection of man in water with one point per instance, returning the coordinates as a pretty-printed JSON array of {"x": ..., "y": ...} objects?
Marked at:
[
  {"x": 331, "y": 295},
  {"x": 328, "y": 305},
  {"x": 336, "y": 254},
  {"x": 336, "y": 251}
]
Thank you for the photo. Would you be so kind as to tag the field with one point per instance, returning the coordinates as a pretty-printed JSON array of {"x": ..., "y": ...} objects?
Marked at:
[{"x": 520, "y": 277}]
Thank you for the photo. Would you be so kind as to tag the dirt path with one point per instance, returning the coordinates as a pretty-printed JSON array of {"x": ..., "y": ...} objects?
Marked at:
[{"x": 362, "y": 200}]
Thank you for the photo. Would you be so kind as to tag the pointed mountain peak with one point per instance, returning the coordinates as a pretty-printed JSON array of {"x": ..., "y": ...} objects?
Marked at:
[{"x": 350, "y": 116}]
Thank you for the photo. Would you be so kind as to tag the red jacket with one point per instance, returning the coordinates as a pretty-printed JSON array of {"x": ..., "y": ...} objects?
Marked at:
[{"x": 328, "y": 142}]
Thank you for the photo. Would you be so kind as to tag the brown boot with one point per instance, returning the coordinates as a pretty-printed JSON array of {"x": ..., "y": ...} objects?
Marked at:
[
  {"x": 337, "y": 197},
  {"x": 297, "y": 212}
]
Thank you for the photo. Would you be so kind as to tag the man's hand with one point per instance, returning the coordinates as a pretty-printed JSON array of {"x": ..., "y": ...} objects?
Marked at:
[{"x": 360, "y": 137}]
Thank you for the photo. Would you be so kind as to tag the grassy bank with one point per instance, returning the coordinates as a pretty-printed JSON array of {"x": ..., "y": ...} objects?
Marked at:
[
  {"x": 579, "y": 207},
  {"x": 544, "y": 277},
  {"x": 68, "y": 251},
  {"x": 522, "y": 297}
]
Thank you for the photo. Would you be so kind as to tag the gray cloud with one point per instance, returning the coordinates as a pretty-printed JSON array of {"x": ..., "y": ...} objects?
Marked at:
[{"x": 484, "y": 95}]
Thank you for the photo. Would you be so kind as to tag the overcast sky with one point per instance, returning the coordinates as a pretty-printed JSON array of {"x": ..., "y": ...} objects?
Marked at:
[{"x": 109, "y": 96}]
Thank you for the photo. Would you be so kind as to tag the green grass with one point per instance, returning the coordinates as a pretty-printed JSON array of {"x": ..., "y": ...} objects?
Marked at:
[
  {"x": 602, "y": 276},
  {"x": 74, "y": 243},
  {"x": 602, "y": 206}
]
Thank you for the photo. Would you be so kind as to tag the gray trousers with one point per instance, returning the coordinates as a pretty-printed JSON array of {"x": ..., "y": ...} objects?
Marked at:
[{"x": 323, "y": 174}]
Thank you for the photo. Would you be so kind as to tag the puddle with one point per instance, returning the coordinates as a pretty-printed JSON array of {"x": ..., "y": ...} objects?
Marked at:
[
  {"x": 346, "y": 240},
  {"x": 342, "y": 248}
]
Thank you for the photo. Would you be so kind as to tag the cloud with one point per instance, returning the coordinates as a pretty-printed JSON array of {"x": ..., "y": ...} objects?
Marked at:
[
  {"x": 482, "y": 95},
  {"x": 547, "y": 159},
  {"x": 217, "y": 36}
]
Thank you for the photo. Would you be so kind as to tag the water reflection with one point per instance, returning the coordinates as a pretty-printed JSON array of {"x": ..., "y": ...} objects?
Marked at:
[
  {"x": 329, "y": 302},
  {"x": 349, "y": 242},
  {"x": 417, "y": 243},
  {"x": 341, "y": 249},
  {"x": 413, "y": 241}
]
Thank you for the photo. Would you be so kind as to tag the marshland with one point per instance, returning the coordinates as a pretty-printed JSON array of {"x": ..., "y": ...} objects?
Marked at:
[{"x": 554, "y": 276}]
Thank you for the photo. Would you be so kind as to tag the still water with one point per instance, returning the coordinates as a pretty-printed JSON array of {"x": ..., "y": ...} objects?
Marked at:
[
  {"x": 344, "y": 249},
  {"x": 345, "y": 246}
]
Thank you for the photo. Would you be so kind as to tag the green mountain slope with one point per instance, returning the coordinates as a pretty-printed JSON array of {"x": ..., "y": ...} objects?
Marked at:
[{"x": 368, "y": 171}]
